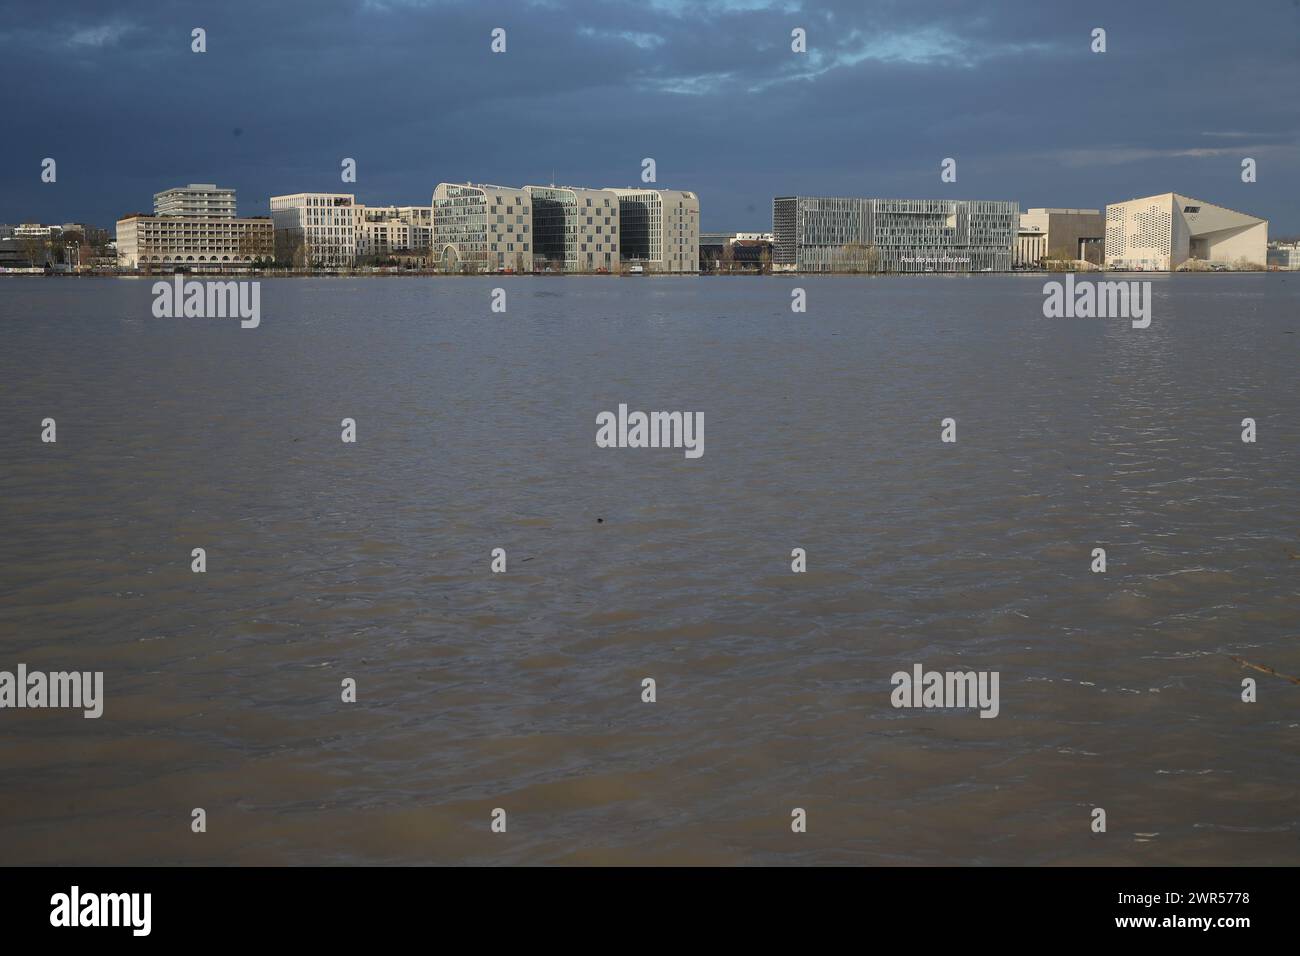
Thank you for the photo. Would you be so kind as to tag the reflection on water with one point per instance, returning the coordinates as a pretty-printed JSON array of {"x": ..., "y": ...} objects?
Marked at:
[{"x": 523, "y": 690}]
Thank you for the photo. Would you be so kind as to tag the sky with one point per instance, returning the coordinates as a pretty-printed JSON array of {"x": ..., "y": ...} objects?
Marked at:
[{"x": 710, "y": 89}]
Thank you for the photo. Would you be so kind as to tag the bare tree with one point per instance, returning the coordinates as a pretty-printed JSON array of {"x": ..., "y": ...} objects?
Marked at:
[{"x": 34, "y": 249}]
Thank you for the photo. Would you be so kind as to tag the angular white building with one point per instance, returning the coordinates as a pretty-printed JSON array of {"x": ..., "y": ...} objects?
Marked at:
[
  {"x": 1160, "y": 233},
  {"x": 316, "y": 229},
  {"x": 482, "y": 227}
]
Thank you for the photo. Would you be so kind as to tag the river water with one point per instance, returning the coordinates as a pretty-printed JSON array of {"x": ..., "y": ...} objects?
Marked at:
[{"x": 522, "y": 690}]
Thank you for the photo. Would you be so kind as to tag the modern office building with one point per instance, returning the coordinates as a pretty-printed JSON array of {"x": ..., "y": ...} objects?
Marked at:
[
  {"x": 1065, "y": 234},
  {"x": 482, "y": 227},
  {"x": 1284, "y": 256},
  {"x": 1165, "y": 231},
  {"x": 659, "y": 229},
  {"x": 197, "y": 244},
  {"x": 575, "y": 230},
  {"x": 815, "y": 234},
  {"x": 197, "y": 200},
  {"x": 315, "y": 229}
]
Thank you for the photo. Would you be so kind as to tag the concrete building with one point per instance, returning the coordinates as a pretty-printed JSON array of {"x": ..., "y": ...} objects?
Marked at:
[
  {"x": 382, "y": 237},
  {"x": 195, "y": 244},
  {"x": 1163, "y": 232},
  {"x": 1067, "y": 234},
  {"x": 389, "y": 230},
  {"x": 420, "y": 219},
  {"x": 482, "y": 227},
  {"x": 1284, "y": 256},
  {"x": 735, "y": 251},
  {"x": 24, "y": 254},
  {"x": 379, "y": 231},
  {"x": 815, "y": 234},
  {"x": 315, "y": 229},
  {"x": 35, "y": 230},
  {"x": 575, "y": 230},
  {"x": 659, "y": 229},
  {"x": 197, "y": 200}
]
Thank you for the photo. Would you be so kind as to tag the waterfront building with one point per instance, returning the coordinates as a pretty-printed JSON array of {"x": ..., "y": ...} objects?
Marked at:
[
  {"x": 382, "y": 237},
  {"x": 1163, "y": 232},
  {"x": 816, "y": 234},
  {"x": 28, "y": 253},
  {"x": 1065, "y": 234},
  {"x": 482, "y": 227},
  {"x": 387, "y": 230},
  {"x": 1284, "y": 256},
  {"x": 379, "y": 231},
  {"x": 420, "y": 219},
  {"x": 659, "y": 229},
  {"x": 36, "y": 230},
  {"x": 574, "y": 229},
  {"x": 315, "y": 229},
  {"x": 735, "y": 251},
  {"x": 196, "y": 244},
  {"x": 197, "y": 200}
]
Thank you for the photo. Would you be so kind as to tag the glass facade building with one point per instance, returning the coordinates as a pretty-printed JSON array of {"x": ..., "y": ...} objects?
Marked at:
[{"x": 816, "y": 234}]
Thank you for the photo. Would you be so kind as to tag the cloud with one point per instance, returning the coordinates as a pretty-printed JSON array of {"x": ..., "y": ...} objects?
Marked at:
[
  {"x": 646, "y": 41},
  {"x": 102, "y": 35}
]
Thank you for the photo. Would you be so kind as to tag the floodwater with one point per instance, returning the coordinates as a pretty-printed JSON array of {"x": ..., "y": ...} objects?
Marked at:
[{"x": 522, "y": 690}]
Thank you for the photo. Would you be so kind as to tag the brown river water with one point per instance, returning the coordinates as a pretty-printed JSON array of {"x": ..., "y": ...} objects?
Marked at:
[{"x": 523, "y": 690}]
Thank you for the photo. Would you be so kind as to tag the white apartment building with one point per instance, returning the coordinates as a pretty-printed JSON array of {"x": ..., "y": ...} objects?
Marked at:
[
  {"x": 316, "y": 229},
  {"x": 574, "y": 229},
  {"x": 35, "y": 230},
  {"x": 383, "y": 230},
  {"x": 659, "y": 229},
  {"x": 197, "y": 200},
  {"x": 420, "y": 219},
  {"x": 482, "y": 227},
  {"x": 195, "y": 244},
  {"x": 1162, "y": 232}
]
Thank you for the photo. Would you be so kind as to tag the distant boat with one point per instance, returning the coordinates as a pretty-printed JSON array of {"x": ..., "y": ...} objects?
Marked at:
[{"x": 635, "y": 270}]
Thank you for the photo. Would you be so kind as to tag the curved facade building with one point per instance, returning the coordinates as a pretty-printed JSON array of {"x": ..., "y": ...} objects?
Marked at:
[{"x": 482, "y": 227}]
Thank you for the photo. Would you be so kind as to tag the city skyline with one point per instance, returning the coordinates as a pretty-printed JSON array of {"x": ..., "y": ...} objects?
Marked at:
[{"x": 715, "y": 95}]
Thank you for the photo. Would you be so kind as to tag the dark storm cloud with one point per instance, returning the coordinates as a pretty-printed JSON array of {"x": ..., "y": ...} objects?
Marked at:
[{"x": 709, "y": 89}]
